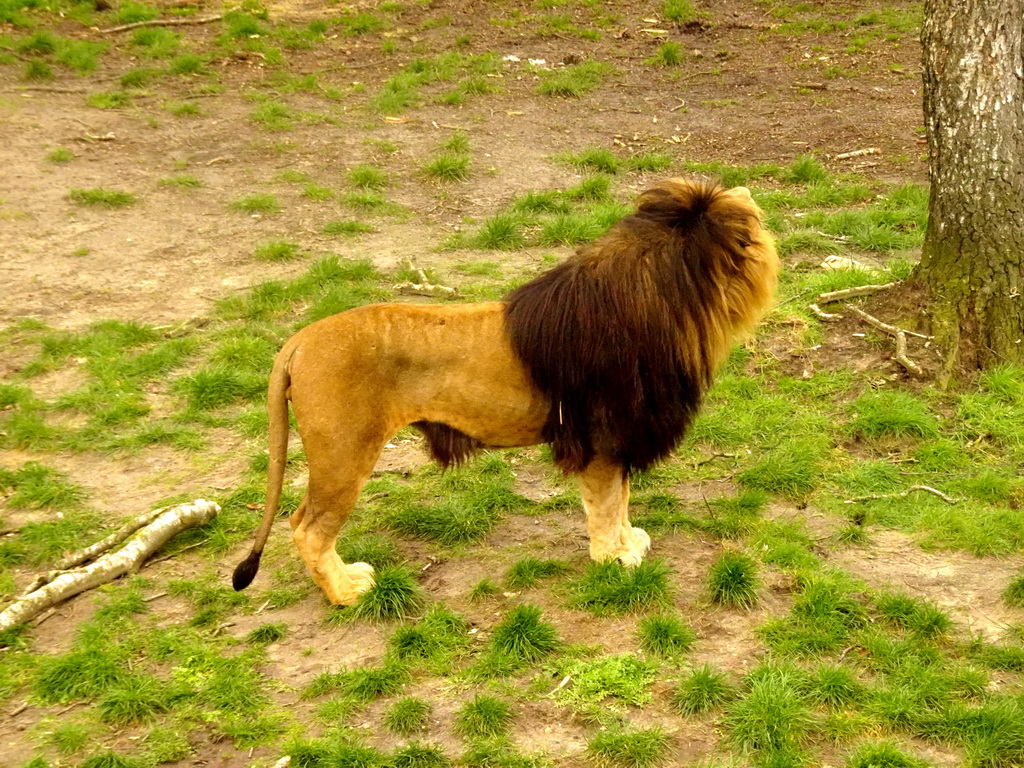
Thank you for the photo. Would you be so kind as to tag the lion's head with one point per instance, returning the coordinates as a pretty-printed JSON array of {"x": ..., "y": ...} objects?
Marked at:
[{"x": 625, "y": 336}]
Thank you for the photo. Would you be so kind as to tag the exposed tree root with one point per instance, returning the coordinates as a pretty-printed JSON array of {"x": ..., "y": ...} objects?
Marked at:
[
  {"x": 145, "y": 534},
  {"x": 898, "y": 334}
]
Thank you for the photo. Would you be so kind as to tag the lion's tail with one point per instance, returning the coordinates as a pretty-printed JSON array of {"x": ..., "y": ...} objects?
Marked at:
[{"x": 277, "y": 410}]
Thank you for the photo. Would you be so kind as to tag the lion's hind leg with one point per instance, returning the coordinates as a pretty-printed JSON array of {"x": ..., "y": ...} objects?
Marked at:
[
  {"x": 331, "y": 496},
  {"x": 605, "y": 490}
]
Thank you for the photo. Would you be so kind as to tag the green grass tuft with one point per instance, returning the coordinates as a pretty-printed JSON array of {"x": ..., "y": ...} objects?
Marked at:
[
  {"x": 883, "y": 754},
  {"x": 408, "y": 716},
  {"x": 448, "y": 166},
  {"x": 701, "y": 691},
  {"x": 620, "y": 748},
  {"x": 666, "y": 636},
  {"x": 419, "y": 756},
  {"x": 892, "y": 413},
  {"x": 1013, "y": 595},
  {"x": 611, "y": 588},
  {"x": 276, "y": 250},
  {"x": 367, "y": 177},
  {"x": 483, "y": 717},
  {"x": 529, "y": 571},
  {"x": 36, "y": 486},
  {"x": 501, "y": 232},
  {"x": 106, "y": 198},
  {"x": 668, "y": 55},
  {"x": 773, "y": 717},
  {"x": 523, "y": 636},
  {"x": 574, "y": 81},
  {"x": 394, "y": 595},
  {"x": 623, "y": 677},
  {"x": 733, "y": 580},
  {"x": 256, "y": 204}
]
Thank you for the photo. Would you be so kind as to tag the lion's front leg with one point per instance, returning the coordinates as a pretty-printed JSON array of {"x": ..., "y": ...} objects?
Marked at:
[{"x": 605, "y": 490}]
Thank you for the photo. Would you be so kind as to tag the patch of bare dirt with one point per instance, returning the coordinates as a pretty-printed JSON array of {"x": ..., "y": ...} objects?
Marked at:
[{"x": 967, "y": 587}]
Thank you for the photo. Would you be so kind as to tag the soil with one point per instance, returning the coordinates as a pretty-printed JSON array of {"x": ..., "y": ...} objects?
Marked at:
[{"x": 744, "y": 94}]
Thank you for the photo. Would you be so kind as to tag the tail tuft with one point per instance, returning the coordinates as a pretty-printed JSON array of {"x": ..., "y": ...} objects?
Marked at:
[{"x": 246, "y": 571}]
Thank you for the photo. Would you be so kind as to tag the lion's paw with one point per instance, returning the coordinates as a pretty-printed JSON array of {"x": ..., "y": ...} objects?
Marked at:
[
  {"x": 637, "y": 545},
  {"x": 360, "y": 580}
]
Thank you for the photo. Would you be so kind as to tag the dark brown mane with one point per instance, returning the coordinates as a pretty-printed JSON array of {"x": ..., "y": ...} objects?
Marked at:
[{"x": 625, "y": 336}]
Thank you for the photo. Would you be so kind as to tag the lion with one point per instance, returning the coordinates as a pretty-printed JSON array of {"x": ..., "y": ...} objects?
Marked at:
[{"x": 605, "y": 357}]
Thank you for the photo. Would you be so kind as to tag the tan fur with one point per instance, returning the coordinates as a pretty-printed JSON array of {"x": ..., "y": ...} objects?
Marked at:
[{"x": 355, "y": 378}]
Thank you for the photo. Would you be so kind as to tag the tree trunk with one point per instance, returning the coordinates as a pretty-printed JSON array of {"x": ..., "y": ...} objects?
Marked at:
[{"x": 973, "y": 255}]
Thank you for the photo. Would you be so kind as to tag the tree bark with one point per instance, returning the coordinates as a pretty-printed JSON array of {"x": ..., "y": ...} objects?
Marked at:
[{"x": 973, "y": 255}]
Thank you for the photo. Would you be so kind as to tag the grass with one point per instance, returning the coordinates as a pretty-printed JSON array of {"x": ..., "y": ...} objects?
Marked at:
[
  {"x": 408, "y": 716},
  {"x": 665, "y": 636},
  {"x": 394, "y": 595},
  {"x": 733, "y": 580},
  {"x": 256, "y": 203},
  {"x": 447, "y": 166},
  {"x": 528, "y": 572},
  {"x": 668, "y": 55},
  {"x": 102, "y": 197},
  {"x": 611, "y": 588},
  {"x": 36, "y": 486},
  {"x": 276, "y": 250},
  {"x": 367, "y": 177},
  {"x": 702, "y": 691},
  {"x": 625, "y": 748},
  {"x": 773, "y": 718},
  {"x": 576, "y": 80},
  {"x": 483, "y": 717},
  {"x": 623, "y": 678},
  {"x": 522, "y": 635},
  {"x": 1013, "y": 595}
]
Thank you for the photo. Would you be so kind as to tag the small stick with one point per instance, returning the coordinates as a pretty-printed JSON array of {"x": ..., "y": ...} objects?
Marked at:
[
  {"x": 903, "y": 494},
  {"x": 859, "y": 153},
  {"x": 714, "y": 456},
  {"x": 849, "y": 293},
  {"x": 161, "y": 23},
  {"x": 823, "y": 315},
  {"x": 901, "y": 355}
]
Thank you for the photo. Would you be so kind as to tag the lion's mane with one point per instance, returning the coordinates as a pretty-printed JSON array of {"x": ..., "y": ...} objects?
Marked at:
[{"x": 625, "y": 336}]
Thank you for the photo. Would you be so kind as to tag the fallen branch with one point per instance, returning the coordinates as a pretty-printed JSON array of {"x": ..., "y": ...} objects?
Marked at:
[
  {"x": 161, "y": 23},
  {"x": 94, "y": 551},
  {"x": 892, "y": 330},
  {"x": 903, "y": 494},
  {"x": 112, "y": 565},
  {"x": 898, "y": 334}
]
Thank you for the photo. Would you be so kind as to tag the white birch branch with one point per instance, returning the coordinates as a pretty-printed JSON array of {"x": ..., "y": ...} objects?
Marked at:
[{"x": 112, "y": 565}]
